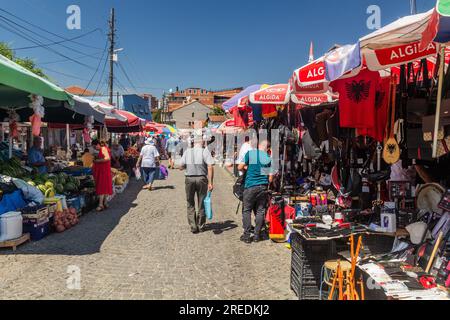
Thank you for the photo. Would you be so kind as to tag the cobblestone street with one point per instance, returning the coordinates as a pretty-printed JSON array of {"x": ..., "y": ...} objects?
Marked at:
[{"x": 142, "y": 248}]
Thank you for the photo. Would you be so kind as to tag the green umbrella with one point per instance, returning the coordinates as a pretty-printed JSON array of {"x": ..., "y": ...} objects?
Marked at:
[{"x": 17, "y": 83}]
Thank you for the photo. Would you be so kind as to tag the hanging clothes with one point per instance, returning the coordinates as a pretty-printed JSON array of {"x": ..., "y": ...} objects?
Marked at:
[
  {"x": 241, "y": 118},
  {"x": 36, "y": 123},
  {"x": 269, "y": 111},
  {"x": 357, "y": 99},
  {"x": 381, "y": 112}
]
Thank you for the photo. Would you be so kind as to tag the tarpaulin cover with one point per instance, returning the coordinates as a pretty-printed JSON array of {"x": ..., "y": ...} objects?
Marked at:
[{"x": 18, "y": 83}]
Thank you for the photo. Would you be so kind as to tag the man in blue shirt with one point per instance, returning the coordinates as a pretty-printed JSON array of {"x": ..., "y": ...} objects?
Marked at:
[
  {"x": 257, "y": 164},
  {"x": 36, "y": 156}
]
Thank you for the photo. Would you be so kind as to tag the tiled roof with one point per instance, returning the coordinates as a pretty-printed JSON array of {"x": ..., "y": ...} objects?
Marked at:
[
  {"x": 79, "y": 91},
  {"x": 174, "y": 108},
  {"x": 217, "y": 118}
]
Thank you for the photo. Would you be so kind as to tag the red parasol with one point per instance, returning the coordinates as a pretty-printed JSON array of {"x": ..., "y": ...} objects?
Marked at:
[
  {"x": 276, "y": 94},
  {"x": 133, "y": 123},
  {"x": 315, "y": 99}
]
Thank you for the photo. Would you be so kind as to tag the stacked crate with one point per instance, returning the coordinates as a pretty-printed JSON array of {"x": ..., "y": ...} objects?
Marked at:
[{"x": 308, "y": 258}]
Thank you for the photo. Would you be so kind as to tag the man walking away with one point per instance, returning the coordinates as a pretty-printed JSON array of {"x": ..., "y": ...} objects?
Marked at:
[
  {"x": 199, "y": 166},
  {"x": 149, "y": 162},
  {"x": 257, "y": 163}
]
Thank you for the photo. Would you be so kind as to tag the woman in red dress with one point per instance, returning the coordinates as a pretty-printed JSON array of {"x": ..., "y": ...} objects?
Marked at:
[{"x": 102, "y": 174}]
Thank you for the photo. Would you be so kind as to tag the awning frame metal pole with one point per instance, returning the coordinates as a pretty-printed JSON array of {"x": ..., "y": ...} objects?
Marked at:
[
  {"x": 68, "y": 139},
  {"x": 439, "y": 101}
]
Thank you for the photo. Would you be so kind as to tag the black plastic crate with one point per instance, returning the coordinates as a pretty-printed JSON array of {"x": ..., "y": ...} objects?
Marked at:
[
  {"x": 305, "y": 284},
  {"x": 304, "y": 291},
  {"x": 319, "y": 251},
  {"x": 308, "y": 293},
  {"x": 306, "y": 272}
]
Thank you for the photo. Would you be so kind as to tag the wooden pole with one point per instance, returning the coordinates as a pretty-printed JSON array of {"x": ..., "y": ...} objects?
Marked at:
[
  {"x": 439, "y": 101},
  {"x": 433, "y": 254}
]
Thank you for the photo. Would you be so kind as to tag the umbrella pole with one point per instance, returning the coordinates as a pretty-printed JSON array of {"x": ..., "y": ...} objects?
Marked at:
[
  {"x": 10, "y": 146},
  {"x": 439, "y": 101},
  {"x": 68, "y": 138}
]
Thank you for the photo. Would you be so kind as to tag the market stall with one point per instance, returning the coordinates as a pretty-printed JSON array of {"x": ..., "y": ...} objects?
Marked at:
[
  {"x": 364, "y": 135},
  {"x": 35, "y": 202}
]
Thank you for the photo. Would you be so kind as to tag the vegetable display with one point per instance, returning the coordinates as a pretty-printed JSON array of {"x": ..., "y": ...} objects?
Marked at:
[
  {"x": 66, "y": 219},
  {"x": 119, "y": 178}
]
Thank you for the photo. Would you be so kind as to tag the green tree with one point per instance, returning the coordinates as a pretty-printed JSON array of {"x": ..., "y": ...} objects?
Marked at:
[
  {"x": 6, "y": 51},
  {"x": 217, "y": 111},
  {"x": 156, "y": 115},
  {"x": 27, "y": 63}
]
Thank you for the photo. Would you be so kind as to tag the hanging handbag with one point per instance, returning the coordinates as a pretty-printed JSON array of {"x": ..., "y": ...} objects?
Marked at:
[
  {"x": 418, "y": 148},
  {"x": 428, "y": 127},
  {"x": 443, "y": 146}
]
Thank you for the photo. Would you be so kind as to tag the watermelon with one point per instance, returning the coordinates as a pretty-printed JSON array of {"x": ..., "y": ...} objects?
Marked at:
[
  {"x": 70, "y": 187},
  {"x": 59, "y": 188}
]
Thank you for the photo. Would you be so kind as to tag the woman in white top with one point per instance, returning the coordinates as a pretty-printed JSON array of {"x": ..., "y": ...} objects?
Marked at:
[{"x": 149, "y": 162}]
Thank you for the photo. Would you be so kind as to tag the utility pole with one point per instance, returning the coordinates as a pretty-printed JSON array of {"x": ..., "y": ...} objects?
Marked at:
[
  {"x": 112, "y": 31},
  {"x": 413, "y": 7}
]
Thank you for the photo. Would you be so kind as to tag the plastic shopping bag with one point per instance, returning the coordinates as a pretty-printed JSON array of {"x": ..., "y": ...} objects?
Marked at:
[
  {"x": 208, "y": 206},
  {"x": 137, "y": 173}
]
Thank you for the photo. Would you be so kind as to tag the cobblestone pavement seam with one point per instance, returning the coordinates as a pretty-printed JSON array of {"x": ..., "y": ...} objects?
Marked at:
[{"x": 142, "y": 248}]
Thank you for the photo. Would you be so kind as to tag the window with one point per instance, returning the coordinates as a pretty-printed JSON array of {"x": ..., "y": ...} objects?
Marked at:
[{"x": 193, "y": 114}]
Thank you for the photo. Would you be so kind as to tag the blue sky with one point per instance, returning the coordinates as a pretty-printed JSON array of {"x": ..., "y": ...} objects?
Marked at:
[{"x": 205, "y": 43}]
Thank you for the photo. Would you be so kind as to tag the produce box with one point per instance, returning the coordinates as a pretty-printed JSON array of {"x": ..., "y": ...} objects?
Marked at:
[
  {"x": 37, "y": 231},
  {"x": 52, "y": 209},
  {"x": 59, "y": 201},
  {"x": 35, "y": 212},
  {"x": 74, "y": 202}
]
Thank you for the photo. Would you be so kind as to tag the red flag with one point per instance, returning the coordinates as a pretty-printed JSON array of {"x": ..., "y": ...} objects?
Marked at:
[{"x": 431, "y": 31}]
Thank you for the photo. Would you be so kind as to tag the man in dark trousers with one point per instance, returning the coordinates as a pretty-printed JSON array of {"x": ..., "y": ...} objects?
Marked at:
[
  {"x": 257, "y": 163},
  {"x": 199, "y": 166}
]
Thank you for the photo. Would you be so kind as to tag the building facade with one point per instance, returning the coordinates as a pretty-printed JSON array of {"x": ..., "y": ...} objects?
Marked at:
[
  {"x": 186, "y": 115},
  {"x": 204, "y": 96},
  {"x": 139, "y": 105}
]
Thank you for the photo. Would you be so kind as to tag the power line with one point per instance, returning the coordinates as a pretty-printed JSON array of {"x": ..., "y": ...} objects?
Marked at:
[
  {"x": 27, "y": 37},
  {"x": 126, "y": 75},
  {"x": 9, "y": 22},
  {"x": 57, "y": 42},
  {"x": 93, "y": 55},
  {"x": 64, "y": 74},
  {"x": 98, "y": 67},
  {"x": 101, "y": 76},
  {"x": 121, "y": 86},
  {"x": 49, "y": 32}
]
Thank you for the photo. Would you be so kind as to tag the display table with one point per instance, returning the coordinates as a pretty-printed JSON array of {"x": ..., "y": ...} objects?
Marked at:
[
  {"x": 309, "y": 253},
  {"x": 379, "y": 285}
]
